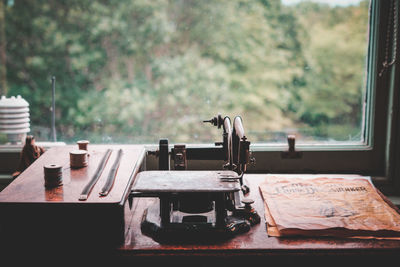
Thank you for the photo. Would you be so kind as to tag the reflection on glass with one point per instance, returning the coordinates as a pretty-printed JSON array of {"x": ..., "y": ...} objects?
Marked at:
[{"x": 136, "y": 71}]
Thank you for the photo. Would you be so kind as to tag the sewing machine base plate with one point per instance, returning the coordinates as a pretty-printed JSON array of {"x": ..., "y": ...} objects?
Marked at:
[{"x": 190, "y": 228}]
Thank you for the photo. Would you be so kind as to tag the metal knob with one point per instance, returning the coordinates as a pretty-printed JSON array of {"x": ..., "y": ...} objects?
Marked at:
[
  {"x": 216, "y": 121},
  {"x": 291, "y": 142},
  {"x": 247, "y": 202}
]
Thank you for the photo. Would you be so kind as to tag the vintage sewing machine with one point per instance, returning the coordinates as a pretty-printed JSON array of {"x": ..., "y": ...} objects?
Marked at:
[{"x": 192, "y": 206}]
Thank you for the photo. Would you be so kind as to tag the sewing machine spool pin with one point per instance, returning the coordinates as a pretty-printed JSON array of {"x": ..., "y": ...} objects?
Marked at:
[
  {"x": 163, "y": 155},
  {"x": 216, "y": 121}
]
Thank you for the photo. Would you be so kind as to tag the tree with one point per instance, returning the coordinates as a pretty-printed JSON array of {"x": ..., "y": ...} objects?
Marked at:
[
  {"x": 3, "y": 56},
  {"x": 135, "y": 71}
]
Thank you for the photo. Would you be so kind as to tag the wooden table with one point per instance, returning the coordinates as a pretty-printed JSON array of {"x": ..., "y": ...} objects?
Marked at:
[
  {"x": 246, "y": 248},
  {"x": 30, "y": 211},
  {"x": 26, "y": 200}
]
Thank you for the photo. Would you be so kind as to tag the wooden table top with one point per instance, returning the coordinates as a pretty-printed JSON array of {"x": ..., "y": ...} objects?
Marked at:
[
  {"x": 255, "y": 242},
  {"x": 29, "y": 186}
]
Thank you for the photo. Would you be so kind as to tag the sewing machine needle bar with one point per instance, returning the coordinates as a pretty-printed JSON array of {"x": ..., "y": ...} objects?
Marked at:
[
  {"x": 111, "y": 175},
  {"x": 88, "y": 188}
]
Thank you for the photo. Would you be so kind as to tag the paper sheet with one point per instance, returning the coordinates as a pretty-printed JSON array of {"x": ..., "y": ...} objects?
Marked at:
[{"x": 327, "y": 206}]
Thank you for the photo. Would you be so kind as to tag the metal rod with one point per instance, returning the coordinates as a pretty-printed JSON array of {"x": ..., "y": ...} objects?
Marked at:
[
  {"x": 111, "y": 175},
  {"x": 220, "y": 211},
  {"x": 165, "y": 211},
  {"x": 88, "y": 188},
  {"x": 163, "y": 157},
  {"x": 53, "y": 109}
]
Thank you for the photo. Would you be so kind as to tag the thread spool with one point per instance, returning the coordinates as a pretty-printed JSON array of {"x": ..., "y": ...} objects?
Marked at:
[
  {"x": 83, "y": 144},
  {"x": 78, "y": 159},
  {"x": 52, "y": 175}
]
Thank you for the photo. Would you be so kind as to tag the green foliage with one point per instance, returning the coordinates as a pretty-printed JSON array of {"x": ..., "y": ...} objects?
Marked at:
[
  {"x": 334, "y": 78},
  {"x": 136, "y": 71}
]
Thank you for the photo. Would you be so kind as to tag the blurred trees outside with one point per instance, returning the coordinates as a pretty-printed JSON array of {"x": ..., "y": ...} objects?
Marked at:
[{"x": 136, "y": 71}]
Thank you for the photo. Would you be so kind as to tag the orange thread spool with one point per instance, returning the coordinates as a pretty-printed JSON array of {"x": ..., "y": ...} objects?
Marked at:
[
  {"x": 52, "y": 175},
  {"x": 83, "y": 144},
  {"x": 78, "y": 159}
]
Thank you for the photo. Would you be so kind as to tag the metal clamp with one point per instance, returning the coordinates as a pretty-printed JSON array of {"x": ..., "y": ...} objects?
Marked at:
[
  {"x": 179, "y": 156},
  {"x": 291, "y": 153}
]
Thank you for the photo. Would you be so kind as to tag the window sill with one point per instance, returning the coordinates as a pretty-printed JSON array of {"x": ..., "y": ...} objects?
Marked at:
[{"x": 18, "y": 147}]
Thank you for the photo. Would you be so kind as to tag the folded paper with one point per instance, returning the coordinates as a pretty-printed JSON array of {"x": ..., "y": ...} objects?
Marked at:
[{"x": 327, "y": 206}]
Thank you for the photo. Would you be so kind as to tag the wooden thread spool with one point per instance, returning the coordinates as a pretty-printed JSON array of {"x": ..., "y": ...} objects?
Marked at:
[
  {"x": 83, "y": 144},
  {"x": 52, "y": 175},
  {"x": 78, "y": 159}
]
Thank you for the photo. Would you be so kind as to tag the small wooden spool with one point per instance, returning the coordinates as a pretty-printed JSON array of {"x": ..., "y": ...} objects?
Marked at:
[
  {"x": 83, "y": 144},
  {"x": 52, "y": 175},
  {"x": 78, "y": 159}
]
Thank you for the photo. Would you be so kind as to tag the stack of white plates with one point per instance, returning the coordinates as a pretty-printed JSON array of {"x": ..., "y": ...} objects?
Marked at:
[{"x": 14, "y": 118}]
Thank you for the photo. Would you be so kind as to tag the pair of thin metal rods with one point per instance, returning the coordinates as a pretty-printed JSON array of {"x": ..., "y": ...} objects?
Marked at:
[{"x": 110, "y": 179}]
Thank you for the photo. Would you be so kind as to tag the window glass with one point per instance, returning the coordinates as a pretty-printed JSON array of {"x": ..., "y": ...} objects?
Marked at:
[{"x": 137, "y": 71}]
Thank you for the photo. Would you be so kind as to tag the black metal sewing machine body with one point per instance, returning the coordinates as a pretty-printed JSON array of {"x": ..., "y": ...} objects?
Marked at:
[
  {"x": 191, "y": 206},
  {"x": 195, "y": 206}
]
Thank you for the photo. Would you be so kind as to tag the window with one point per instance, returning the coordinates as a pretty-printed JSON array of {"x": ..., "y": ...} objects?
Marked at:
[
  {"x": 129, "y": 71},
  {"x": 136, "y": 71},
  {"x": 376, "y": 155}
]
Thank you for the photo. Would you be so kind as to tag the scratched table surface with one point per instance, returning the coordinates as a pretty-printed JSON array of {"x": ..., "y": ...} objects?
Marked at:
[
  {"x": 255, "y": 243},
  {"x": 186, "y": 181},
  {"x": 29, "y": 186},
  {"x": 244, "y": 248}
]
